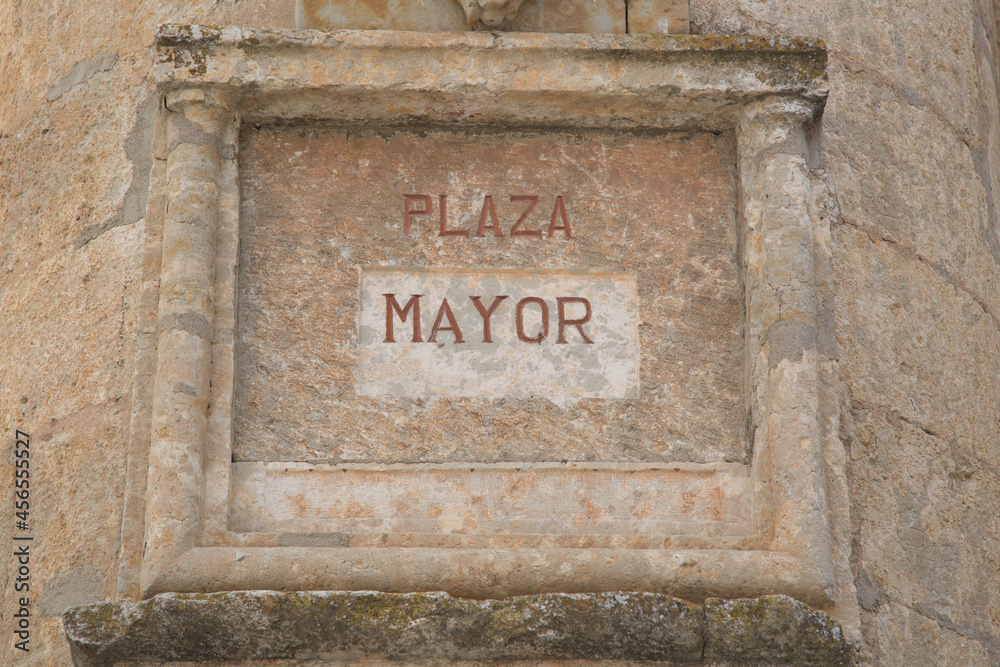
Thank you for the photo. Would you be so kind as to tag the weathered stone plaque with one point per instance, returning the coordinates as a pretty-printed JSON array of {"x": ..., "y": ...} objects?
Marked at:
[{"x": 490, "y": 314}]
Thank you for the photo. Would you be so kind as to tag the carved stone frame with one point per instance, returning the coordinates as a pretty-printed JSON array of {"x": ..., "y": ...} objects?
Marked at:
[{"x": 766, "y": 89}]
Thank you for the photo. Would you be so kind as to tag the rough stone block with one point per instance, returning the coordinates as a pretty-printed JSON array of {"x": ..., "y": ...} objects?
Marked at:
[
  {"x": 640, "y": 627},
  {"x": 429, "y": 626},
  {"x": 772, "y": 630}
]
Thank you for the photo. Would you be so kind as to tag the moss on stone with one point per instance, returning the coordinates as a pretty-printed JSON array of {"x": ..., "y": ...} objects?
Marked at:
[
  {"x": 259, "y": 625},
  {"x": 774, "y": 629}
]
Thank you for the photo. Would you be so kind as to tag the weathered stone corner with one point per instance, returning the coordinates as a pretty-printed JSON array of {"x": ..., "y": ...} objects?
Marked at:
[{"x": 263, "y": 625}]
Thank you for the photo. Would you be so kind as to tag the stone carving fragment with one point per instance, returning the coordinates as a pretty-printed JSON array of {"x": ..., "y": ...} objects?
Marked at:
[{"x": 490, "y": 13}]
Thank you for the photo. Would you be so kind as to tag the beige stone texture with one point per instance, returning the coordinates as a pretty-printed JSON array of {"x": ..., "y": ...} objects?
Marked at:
[
  {"x": 904, "y": 166},
  {"x": 420, "y": 15},
  {"x": 658, "y": 16},
  {"x": 76, "y": 121},
  {"x": 581, "y": 16},
  {"x": 555, "y": 506},
  {"x": 573, "y": 16},
  {"x": 658, "y": 208}
]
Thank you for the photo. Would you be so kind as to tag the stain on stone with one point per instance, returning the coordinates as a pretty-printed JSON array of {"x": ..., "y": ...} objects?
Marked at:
[
  {"x": 314, "y": 540},
  {"x": 982, "y": 46},
  {"x": 965, "y": 461},
  {"x": 81, "y": 71},
  {"x": 192, "y": 323},
  {"x": 871, "y": 595},
  {"x": 185, "y": 131},
  {"x": 139, "y": 151},
  {"x": 185, "y": 388},
  {"x": 81, "y": 585},
  {"x": 788, "y": 339},
  {"x": 826, "y": 339}
]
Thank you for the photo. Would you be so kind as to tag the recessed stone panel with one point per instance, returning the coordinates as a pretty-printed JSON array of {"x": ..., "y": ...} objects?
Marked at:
[{"x": 631, "y": 234}]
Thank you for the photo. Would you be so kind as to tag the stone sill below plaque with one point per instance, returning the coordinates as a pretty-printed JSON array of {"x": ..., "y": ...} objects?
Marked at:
[{"x": 338, "y": 627}]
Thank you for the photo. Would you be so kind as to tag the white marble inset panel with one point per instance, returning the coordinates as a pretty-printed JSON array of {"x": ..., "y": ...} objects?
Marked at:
[{"x": 498, "y": 333}]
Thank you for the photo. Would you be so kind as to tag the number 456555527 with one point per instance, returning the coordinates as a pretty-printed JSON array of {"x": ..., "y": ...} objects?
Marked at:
[{"x": 22, "y": 464}]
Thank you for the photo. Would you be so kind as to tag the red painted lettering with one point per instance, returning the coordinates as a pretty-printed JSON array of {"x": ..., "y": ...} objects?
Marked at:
[
  {"x": 532, "y": 203},
  {"x": 566, "y": 322},
  {"x": 519, "y": 318},
  {"x": 486, "y": 314},
  {"x": 559, "y": 210},
  {"x": 491, "y": 211},
  {"x": 392, "y": 305},
  {"x": 443, "y": 212},
  {"x": 409, "y": 212},
  {"x": 443, "y": 312}
]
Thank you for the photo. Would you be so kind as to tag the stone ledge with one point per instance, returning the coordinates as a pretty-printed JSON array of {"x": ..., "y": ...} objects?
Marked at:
[
  {"x": 386, "y": 78},
  {"x": 269, "y": 625}
]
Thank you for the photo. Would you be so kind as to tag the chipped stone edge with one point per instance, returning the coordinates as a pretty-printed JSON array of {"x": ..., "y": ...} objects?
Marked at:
[
  {"x": 200, "y": 36},
  {"x": 213, "y": 79},
  {"x": 268, "y": 625}
]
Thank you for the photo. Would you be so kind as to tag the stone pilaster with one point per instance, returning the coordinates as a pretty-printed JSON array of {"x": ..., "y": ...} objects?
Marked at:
[
  {"x": 781, "y": 311},
  {"x": 185, "y": 323}
]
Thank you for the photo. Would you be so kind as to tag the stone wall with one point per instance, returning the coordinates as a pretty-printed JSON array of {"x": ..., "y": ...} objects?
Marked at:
[
  {"x": 910, "y": 144},
  {"x": 909, "y": 147},
  {"x": 76, "y": 111}
]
